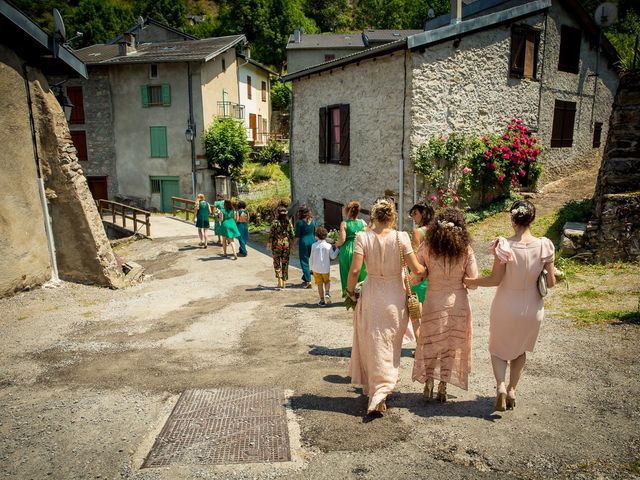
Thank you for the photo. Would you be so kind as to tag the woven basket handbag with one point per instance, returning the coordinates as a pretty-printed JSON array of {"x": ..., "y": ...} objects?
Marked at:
[{"x": 413, "y": 303}]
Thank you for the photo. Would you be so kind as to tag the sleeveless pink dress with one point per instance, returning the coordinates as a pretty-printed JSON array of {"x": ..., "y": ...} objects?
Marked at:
[
  {"x": 517, "y": 309},
  {"x": 444, "y": 346}
]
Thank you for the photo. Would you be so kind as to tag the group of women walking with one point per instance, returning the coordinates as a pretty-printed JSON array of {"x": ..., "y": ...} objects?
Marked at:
[
  {"x": 229, "y": 223},
  {"x": 441, "y": 253}
]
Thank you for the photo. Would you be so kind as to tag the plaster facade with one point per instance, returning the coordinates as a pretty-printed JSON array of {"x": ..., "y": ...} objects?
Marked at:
[
  {"x": 218, "y": 84},
  {"x": 297, "y": 59},
  {"x": 376, "y": 126},
  {"x": 255, "y": 105}
]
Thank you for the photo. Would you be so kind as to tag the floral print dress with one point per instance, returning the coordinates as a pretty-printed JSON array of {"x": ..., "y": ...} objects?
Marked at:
[{"x": 280, "y": 237}]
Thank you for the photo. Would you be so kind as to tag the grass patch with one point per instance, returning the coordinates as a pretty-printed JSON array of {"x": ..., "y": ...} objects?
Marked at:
[
  {"x": 486, "y": 272},
  {"x": 87, "y": 314},
  {"x": 550, "y": 226},
  {"x": 588, "y": 316},
  {"x": 23, "y": 317},
  {"x": 633, "y": 467},
  {"x": 492, "y": 209}
]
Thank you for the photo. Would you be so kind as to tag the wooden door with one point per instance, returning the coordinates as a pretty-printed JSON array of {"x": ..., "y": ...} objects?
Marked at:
[
  {"x": 98, "y": 187},
  {"x": 253, "y": 126},
  {"x": 332, "y": 214}
]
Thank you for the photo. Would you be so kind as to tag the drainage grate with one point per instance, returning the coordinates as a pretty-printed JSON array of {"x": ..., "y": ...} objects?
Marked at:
[{"x": 221, "y": 426}]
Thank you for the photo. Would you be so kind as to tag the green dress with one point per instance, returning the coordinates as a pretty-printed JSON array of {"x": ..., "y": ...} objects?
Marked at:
[
  {"x": 421, "y": 288},
  {"x": 219, "y": 204},
  {"x": 346, "y": 253},
  {"x": 228, "y": 226},
  {"x": 202, "y": 217}
]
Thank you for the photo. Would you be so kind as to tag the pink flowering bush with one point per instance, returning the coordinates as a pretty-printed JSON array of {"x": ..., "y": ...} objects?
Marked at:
[
  {"x": 505, "y": 162},
  {"x": 445, "y": 197}
]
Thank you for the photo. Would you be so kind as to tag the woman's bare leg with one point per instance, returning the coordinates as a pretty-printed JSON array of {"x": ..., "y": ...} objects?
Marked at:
[
  {"x": 500, "y": 372},
  {"x": 517, "y": 365}
]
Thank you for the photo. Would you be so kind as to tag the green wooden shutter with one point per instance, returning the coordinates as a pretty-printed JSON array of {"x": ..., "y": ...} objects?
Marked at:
[
  {"x": 166, "y": 94},
  {"x": 159, "y": 142},
  {"x": 144, "y": 93}
]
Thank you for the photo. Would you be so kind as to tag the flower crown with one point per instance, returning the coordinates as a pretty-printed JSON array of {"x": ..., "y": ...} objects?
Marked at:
[
  {"x": 521, "y": 210},
  {"x": 445, "y": 224}
]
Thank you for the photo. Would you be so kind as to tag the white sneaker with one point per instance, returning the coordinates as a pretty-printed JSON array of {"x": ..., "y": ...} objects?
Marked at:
[{"x": 327, "y": 299}]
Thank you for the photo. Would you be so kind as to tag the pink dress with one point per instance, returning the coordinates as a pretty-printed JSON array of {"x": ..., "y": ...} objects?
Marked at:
[
  {"x": 444, "y": 347},
  {"x": 380, "y": 317},
  {"x": 517, "y": 309}
]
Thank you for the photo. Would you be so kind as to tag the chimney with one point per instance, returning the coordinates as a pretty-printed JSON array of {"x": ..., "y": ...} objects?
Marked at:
[
  {"x": 296, "y": 35},
  {"x": 456, "y": 11},
  {"x": 127, "y": 45}
]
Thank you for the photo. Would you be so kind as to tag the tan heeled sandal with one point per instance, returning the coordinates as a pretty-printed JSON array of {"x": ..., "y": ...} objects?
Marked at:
[
  {"x": 428, "y": 389},
  {"x": 501, "y": 399},
  {"x": 442, "y": 392},
  {"x": 511, "y": 399}
]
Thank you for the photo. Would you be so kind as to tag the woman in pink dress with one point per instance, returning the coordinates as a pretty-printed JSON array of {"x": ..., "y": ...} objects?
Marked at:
[
  {"x": 517, "y": 309},
  {"x": 444, "y": 346},
  {"x": 381, "y": 315}
]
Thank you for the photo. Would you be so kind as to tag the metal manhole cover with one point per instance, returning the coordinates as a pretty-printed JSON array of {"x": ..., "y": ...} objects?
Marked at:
[{"x": 221, "y": 426}]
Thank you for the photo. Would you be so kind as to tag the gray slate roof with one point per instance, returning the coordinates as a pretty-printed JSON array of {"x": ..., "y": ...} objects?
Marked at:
[
  {"x": 346, "y": 40},
  {"x": 187, "y": 51}
]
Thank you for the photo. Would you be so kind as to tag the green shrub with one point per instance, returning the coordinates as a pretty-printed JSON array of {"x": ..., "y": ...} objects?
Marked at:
[
  {"x": 280, "y": 96},
  {"x": 226, "y": 146},
  {"x": 265, "y": 172},
  {"x": 262, "y": 210},
  {"x": 272, "y": 152}
]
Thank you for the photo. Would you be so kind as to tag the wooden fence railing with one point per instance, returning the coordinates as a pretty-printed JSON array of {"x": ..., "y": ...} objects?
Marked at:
[
  {"x": 126, "y": 212},
  {"x": 185, "y": 205}
]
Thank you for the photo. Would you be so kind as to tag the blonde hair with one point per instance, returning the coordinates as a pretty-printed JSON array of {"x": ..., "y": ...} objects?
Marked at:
[
  {"x": 199, "y": 198},
  {"x": 384, "y": 212}
]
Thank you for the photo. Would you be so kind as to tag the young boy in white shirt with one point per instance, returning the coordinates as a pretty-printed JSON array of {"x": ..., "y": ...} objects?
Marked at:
[{"x": 320, "y": 263}]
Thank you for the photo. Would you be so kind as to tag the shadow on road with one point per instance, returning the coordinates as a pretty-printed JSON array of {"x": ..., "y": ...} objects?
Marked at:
[
  {"x": 337, "y": 379},
  {"x": 346, "y": 351},
  {"x": 216, "y": 257},
  {"x": 312, "y": 305}
]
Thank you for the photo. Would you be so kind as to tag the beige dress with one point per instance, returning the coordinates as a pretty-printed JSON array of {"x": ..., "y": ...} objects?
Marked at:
[
  {"x": 380, "y": 317},
  {"x": 517, "y": 309},
  {"x": 444, "y": 346}
]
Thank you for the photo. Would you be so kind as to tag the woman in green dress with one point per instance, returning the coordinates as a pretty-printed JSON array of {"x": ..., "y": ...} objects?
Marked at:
[
  {"x": 422, "y": 215},
  {"x": 305, "y": 237},
  {"x": 228, "y": 228},
  {"x": 202, "y": 210},
  {"x": 348, "y": 230},
  {"x": 218, "y": 205}
]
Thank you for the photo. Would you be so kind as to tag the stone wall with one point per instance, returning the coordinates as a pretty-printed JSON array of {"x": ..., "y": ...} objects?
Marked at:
[
  {"x": 82, "y": 250},
  {"x": 374, "y": 90},
  {"x": 24, "y": 255},
  {"x": 614, "y": 233},
  {"x": 467, "y": 89}
]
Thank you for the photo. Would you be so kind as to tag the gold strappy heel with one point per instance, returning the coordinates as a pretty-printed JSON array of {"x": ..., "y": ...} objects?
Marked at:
[
  {"x": 428, "y": 389},
  {"x": 442, "y": 392}
]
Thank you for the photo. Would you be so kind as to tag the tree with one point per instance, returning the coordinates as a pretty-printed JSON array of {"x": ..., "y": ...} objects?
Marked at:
[
  {"x": 329, "y": 15},
  {"x": 226, "y": 147},
  {"x": 171, "y": 12},
  {"x": 100, "y": 21}
]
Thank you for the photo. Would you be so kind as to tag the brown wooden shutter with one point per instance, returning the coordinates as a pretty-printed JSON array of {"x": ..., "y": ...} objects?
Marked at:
[
  {"x": 518, "y": 46},
  {"x": 567, "y": 124},
  {"x": 597, "y": 134},
  {"x": 322, "y": 136},
  {"x": 344, "y": 135},
  {"x": 77, "y": 112},
  {"x": 79, "y": 139},
  {"x": 529, "y": 55}
]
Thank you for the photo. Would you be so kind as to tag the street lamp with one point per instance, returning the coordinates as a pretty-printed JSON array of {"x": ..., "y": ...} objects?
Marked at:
[
  {"x": 63, "y": 100},
  {"x": 190, "y": 135}
]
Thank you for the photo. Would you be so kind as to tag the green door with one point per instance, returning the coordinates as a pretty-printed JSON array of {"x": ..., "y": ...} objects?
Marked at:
[{"x": 168, "y": 189}]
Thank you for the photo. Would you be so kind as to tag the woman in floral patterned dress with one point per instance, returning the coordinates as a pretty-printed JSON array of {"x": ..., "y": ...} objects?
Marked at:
[{"x": 280, "y": 240}]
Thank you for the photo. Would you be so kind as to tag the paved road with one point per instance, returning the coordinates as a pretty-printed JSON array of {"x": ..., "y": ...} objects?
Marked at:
[{"x": 88, "y": 377}]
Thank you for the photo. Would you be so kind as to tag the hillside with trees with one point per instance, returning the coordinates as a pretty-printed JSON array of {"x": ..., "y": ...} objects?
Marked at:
[{"x": 268, "y": 23}]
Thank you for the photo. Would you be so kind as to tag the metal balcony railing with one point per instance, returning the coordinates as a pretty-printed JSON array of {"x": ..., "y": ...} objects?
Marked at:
[{"x": 230, "y": 109}]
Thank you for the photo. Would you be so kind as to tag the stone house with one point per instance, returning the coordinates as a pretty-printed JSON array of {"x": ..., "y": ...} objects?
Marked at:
[
  {"x": 537, "y": 60},
  {"x": 49, "y": 224},
  {"x": 306, "y": 50},
  {"x": 150, "y": 95}
]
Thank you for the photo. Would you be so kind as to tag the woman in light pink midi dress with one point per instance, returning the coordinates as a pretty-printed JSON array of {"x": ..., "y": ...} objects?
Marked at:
[
  {"x": 381, "y": 316},
  {"x": 444, "y": 347},
  {"x": 517, "y": 309}
]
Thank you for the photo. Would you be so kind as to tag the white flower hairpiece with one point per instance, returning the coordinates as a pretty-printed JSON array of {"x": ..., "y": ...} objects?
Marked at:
[
  {"x": 522, "y": 209},
  {"x": 444, "y": 224}
]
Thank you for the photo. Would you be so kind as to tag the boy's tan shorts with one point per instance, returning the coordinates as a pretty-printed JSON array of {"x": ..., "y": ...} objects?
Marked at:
[{"x": 321, "y": 278}]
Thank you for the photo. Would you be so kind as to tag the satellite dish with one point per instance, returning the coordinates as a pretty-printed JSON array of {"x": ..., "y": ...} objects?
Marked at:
[
  {"x": 431, "y": 13},
  {"x": 606, "y": 14},
  {"x": 59, "y": 33}
]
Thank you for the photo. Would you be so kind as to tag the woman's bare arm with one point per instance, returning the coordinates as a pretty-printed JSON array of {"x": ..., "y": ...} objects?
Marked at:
[
  {"x": 343, "y": 234},
  {"x": 493, "y": 280}
]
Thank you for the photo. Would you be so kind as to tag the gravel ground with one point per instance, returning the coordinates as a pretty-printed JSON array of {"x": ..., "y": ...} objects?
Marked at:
[{"x": 88, "y": 376}]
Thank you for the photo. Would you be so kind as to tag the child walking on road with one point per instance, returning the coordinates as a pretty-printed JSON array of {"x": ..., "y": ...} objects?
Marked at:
[{"x": 320, "y": 263}]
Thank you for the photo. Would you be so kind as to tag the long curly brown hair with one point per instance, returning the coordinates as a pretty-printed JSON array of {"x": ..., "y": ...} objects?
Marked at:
[{"x": 448, "y": 236}]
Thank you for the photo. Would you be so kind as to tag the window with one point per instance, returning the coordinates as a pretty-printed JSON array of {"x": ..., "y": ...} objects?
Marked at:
[
  {"x": 158, "y": 142},
  {"x": 524, "y": 52},
  {"x": 570, "y": 39},
  {"x": 334, "y": 134},
  {"x": 156, "y": 95},
  {"x": 248, "y": 87},
  {"x": 153, "y": 71},
  {"x": 224, "y": 65},
  {"x": 332, "y": 214},
  {"x": 329, "y": 57},
  {"x": 79, "y": 138},
  {"x": 597, "y": 134},
  {"x": 76, "y": 97},
  {"x": 155, "y": 185},
  {"x": 264, "y": 91},
  {"x": 265, "y": 127},
  {"x": 564, "y": 115}
]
